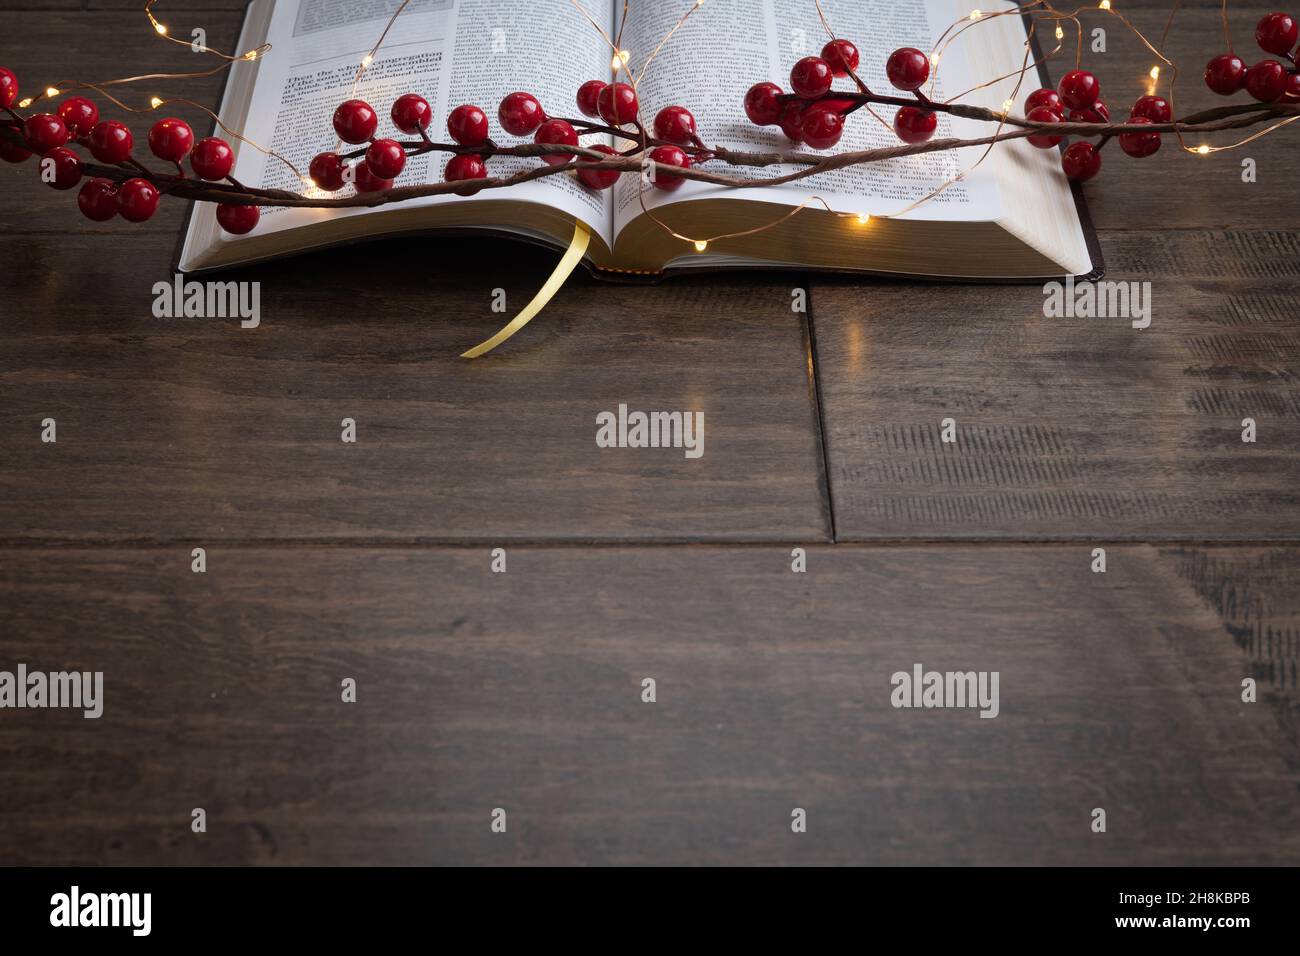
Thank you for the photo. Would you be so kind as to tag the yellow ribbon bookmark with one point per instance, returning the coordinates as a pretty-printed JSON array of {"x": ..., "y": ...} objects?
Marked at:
[{"x": 577, "y": 249}]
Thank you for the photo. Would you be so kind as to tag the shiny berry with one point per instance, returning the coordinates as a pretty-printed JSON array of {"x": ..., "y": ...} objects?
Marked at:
[
  {"x": 1292, "y": 87},
  {"x": 465, "y": 166},
  {"x": 238, "y": 220},
  {"x": 599, "y": 178},
  {"x": 8, "y": 88},
  {"x": 1045, "y": 98},
  {"x": 1266, "y": 81},
  {"x": 1154, "y": 108},
  {"x": 45, "y": 132},
  {"x": 669, "y": 156},
  {"x": 520, "y": 114},
  {"x": 468, "y": 125},
  {"x": 212, "y": 159},
  {"x": 811, "y": 77},
  {"x": 79, "y": 114},
  {"x": 1081, "y": 161},
  {"x": 1044, "y": 114},
  {"x": 411, "y": 113},
  {"x": 1096, "y": 113},
  {"x": 791, "y": 121},
  {"x": 328, "y": 171},
  {"x": 368, "y": 182},
  {"x": 915, "y": 125},
  {"x": 675, "y": 124},
  {"x": 1277, "y": 33},
  {"x": 355, "y": 121},
  {"x": 556, "y": 131},
  {"x": 1139, "y": 145},
  {"x": 98, "y": 199},
  {"x": 908, "y": 68},
  {"x": 386, "y": 159},
  {"x": 842, "y": 56},
  {"x": 762, "y": 105},
  {"x": 111, "y": 142},
  {"x": 821, "y": 126},
  {"x": 1225, "y": 74},
  {"x": 171, "y": 139},
  {"x": 617, "y": 104},
  {"x": 589, "y": 98},
  {"x": 137, "y": 200},
  {"x": 11, "y": 152},
  {"x": 1079, "y": 89},
  {"x": 61, "y": 168}
]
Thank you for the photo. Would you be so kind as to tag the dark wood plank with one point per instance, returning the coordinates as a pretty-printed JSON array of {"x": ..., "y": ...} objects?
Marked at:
[
  {"x": 522, "y": 691},
  {"x": 191, "y": 428},
  {"x": 1071, "y": 428}
]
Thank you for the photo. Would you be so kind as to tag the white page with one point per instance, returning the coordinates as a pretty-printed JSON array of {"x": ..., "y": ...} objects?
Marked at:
[
  {"x": 469, "y": 51},
  {"x": 729, "y": 45}
]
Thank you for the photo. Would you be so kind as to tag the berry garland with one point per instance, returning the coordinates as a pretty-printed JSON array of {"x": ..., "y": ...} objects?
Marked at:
[{"x": 813, "y": 114}]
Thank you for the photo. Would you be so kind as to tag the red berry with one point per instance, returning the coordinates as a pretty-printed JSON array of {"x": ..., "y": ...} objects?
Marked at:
[
  {"x": 78, "y": 114},
  {"x": 589, "y": 97},
  {"x": 1044, "y": 114},
  {"x": 761, "y": 104},
  {"x": 599, "y": 178},
  {"x": 1139, "y": 145},
  {"x": 1292, "y": 87},
  {"x": 1045, "y": 98},
  {"x": 669, "y": 156},
  {"x": 520, "y": 114},
  {"x": 617, "y": 104},
  {"x": 468, "y": 125},
  {"x": 111, "y": 142},
  {"x": 137, "y": 200},
  {"x": 811, "y": 77},
  {"x": 1096, "y": 113},
  {"x": 553, "y": 132},
  {"x": 386, "y": 159},
  {"x": 791, "y": 121},
  {"x": 327, "y": 171},
  {"x": 842, "y": 56},
  {"x": 462, "y": 167},
  {"x": 98, "y": 199},
  {"x": 45, "y": 132},
  {"x": 355, "y": 121},
  {"x": 1154, "y": 108},
  {"x": 821, "y": 126},
  {"x": 411, "y": 113},
  {"x": 171, "y": 139},
  {"x": 8, "y": 88},
  {"x": 368, "y": 182},
  {"x": 1266, "y": 81},
  {"x": 1225, "y": 74},
  {"x": 64, "y": 164},
  {"x": 908, "y": 68},
  {"x": 238, "y": 220},
  {"x": 1079, "y": 89},
  {"x": 676, "y": 125},
  {"x": 1277, "y": 33},
  {"x": 212, "y": 159},
  {"x": 915, "y": 125},
  {"x": 11, "y": 152},
  {"x": 1081, "y": 161}
]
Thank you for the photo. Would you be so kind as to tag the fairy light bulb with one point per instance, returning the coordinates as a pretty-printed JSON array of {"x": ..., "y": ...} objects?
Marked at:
[
  {"x": 1105, "y": 4},
  {"x": 51, "y": 91},
  {"x": 1155, "y": 73},
  {"x": 1060, "y": 32},
  {"x": 367, "y": 60},
  {"x": 1202, "y": 150},
  {"x": 154, "y": 102},
  {"x": 700, "y": 245},
  {"x": 863, "y": 218},
  {"x": 1007, "y": 105},
  {"x": 161, "y": 28},
  {"x": 975, "y": 14},
  {"x": 24, "y": 103},
  {"x": 934, "y": 59}
]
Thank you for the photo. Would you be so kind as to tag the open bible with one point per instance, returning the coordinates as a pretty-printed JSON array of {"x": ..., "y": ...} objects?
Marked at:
[{"x": 1010, "y": 214}]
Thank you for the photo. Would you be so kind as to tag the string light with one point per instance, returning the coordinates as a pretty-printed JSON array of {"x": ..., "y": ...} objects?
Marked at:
[
  {"x": 367, "y": 60},
  {"x": 51, "y": 91},
  {"x": 24, "y": 103},
  {"x": 1105, "y": 4},
  {"x": 620, "y": 60},
  {"x": 863, "y": 218},
  {"x": 161, "y": 28},
  {"x": 700, "y": 245},
  {"x": 975, "y": 14},
  {"x": 1007, "y": 105},
  {"x": 154, "y": 102},
  {"x": 1202, "y": 150},
  {"x": 1155, "y": 73},
  {"x": 1060, "y": 32}
]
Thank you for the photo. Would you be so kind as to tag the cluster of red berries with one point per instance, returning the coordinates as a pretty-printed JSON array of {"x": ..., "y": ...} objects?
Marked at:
[
  {"x": 1077, "y": 99},
  {"x": 814, "y": 114},
  {"x": 1268, "y": 80},
  {"x": 77, "y": 121}
]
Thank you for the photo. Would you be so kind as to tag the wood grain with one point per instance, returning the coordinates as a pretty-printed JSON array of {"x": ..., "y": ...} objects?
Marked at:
[{"x": 522, "y": 691}]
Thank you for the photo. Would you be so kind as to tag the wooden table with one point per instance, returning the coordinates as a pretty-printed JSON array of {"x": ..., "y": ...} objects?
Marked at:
[{"x": 523, "y": 690}]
